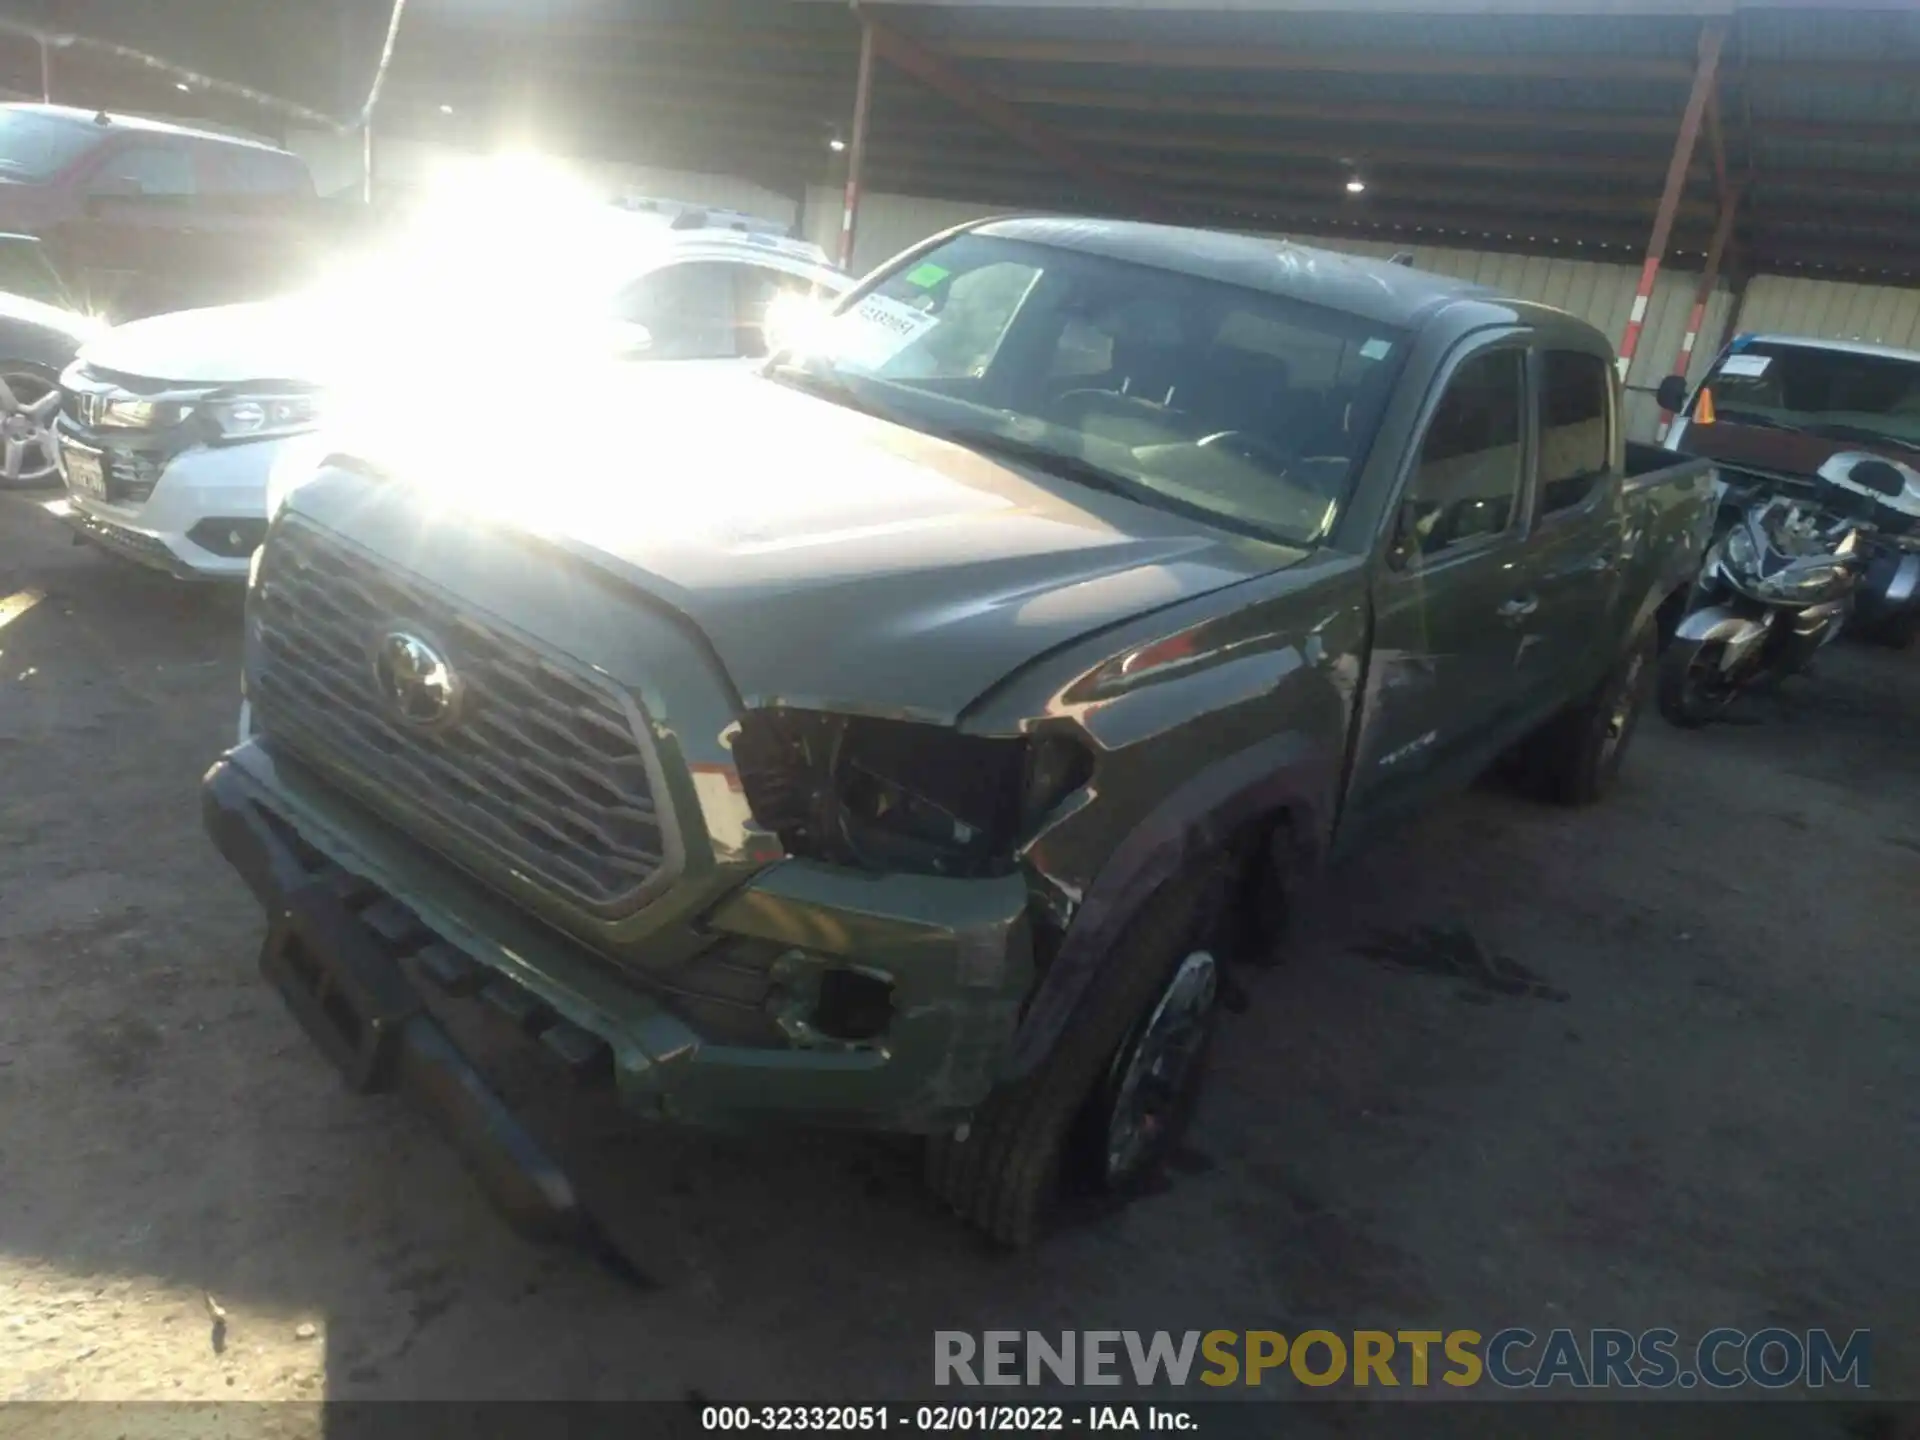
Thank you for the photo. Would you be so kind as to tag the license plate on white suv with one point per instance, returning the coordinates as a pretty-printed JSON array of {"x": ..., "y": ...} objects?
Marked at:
[{"x": 86, "y": 470}]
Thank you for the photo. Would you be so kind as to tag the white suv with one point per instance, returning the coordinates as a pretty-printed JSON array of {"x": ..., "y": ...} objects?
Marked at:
[{"x": 175, "y": 431}]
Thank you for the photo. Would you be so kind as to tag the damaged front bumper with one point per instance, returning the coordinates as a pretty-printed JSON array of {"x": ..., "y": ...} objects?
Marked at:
[{"x": 355, "y": 908}]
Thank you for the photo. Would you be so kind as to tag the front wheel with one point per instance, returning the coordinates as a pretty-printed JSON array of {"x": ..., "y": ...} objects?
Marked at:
[
  {"x": 29, "y": 399},
  {"x": 1105, "y": 1108},
  {"x": 1694, "y": 689}
]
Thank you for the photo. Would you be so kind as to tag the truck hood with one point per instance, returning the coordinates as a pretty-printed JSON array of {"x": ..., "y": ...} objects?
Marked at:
[
  {"x": 832, "y": 559},
  {"x": 220, "y": 345}
]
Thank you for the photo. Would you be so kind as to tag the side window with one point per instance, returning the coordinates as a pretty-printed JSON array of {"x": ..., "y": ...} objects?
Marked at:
[
  {"x": 688, "y": 309},
  {"x": 146, "y": 170},
  {"x": 237, "y": 170},
  {"x": 1576, "y": 442},
  {"x": 1466, "y": 483}
]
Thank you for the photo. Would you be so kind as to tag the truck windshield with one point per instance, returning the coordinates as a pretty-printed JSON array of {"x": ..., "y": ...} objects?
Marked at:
[
  {"x": 1839, "y": 394},
  {"x": 36, "y": 147},
  {"x": 1221, "y": 400}
]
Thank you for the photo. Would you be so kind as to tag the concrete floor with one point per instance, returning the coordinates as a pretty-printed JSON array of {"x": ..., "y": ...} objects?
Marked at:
[{"x": 1704, "y": 1114}]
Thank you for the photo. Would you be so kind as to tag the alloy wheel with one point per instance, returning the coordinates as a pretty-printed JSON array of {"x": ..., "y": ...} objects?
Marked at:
[
  {"x": 1155, "y": 1072},
  {"x": 28, "y": 403}
]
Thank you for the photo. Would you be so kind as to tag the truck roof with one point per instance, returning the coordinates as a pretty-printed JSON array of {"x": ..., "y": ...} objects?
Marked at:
[
  {"x": 121, "y": 122},
  {"x": 1376, "y": 289}
]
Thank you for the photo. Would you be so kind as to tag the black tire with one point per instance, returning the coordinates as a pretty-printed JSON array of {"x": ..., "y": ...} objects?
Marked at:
[
  {"x": 1685, "y": 700},
  {"x": 1004, "y": 1172},
  {"x": 1576, "y": 757}
]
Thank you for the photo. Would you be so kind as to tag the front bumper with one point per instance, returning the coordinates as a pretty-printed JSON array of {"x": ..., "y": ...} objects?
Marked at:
[
  {"x": 227, "y": 483},
  {"x": 956, "y": 955}
]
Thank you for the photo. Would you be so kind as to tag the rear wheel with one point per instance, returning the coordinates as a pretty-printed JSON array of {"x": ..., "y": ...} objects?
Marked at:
[
  {"x": 1106, "y": 1106},
  {"x": 1575, "y": 758},
  {"x": 1694, "y": 689}
]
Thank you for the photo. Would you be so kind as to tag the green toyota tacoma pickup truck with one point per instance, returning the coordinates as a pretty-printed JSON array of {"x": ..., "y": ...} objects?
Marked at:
[{"x": 905, "y": 737}]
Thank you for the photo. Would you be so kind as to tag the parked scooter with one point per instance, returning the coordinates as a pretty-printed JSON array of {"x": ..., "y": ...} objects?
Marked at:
[{"x": 1777, "y": 585}]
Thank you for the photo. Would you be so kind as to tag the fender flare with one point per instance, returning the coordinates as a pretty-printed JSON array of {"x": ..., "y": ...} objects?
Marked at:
[{"x": 1287, "y": 773}]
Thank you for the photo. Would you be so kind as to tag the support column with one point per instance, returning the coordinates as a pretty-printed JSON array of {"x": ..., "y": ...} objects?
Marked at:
[
  {"x": 1709, "y": 277},
  {"x": 46, "y": 72},
  {"x": 857, "y": 144},
  {"x": 1712, "y": 38}
]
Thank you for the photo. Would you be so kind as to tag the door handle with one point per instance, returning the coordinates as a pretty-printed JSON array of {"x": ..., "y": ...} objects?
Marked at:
[{"x": 1519, "y": 607}]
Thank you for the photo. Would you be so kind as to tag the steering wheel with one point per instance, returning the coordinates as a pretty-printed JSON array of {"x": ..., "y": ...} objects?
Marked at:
[
  {"x": 1248, "y": 447},
  {"x": 1124, "y": 404}
]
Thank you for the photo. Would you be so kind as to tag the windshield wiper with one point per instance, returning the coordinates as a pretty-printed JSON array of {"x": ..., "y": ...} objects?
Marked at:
[
  {"x": 1753, "y": 417},
  {"x": 1046, "y": 458}
]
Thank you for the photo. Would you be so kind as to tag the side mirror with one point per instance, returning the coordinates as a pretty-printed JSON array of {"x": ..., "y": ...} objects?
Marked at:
[{"x": 1672, "y": 394}]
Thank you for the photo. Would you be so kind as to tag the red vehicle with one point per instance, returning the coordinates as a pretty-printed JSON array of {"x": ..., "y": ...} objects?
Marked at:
[{"x": 141, "y": 216}]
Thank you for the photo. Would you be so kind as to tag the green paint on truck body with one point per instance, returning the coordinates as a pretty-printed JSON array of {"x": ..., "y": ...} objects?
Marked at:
[{"x": 773, "y": 549}]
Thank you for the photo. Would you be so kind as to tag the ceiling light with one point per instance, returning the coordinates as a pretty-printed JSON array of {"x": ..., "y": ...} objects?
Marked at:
[
  {"x": 181, "y": 85},
  {"x": 1356, "y": 186},
  {"x": 836, "y": 144},
  {"x": 446, "y": 109}
]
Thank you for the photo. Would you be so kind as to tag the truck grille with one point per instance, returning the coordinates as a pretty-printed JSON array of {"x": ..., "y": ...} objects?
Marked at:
[{"x": 542, "y": 766}]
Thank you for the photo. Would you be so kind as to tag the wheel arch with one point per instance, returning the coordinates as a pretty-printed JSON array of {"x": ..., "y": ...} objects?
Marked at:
[{"x": 1286, "y": 780}]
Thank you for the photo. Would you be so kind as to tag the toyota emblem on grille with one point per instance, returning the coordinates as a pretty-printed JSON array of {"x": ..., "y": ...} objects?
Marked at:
[{"x": 416, "y": 679}]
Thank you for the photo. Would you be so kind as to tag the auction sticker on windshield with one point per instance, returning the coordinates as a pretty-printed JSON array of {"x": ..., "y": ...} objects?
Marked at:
[
  {"x": 84, "y": 472},
  {"x": 1751, "y": 366},
  {"x": 889, "y": 327}
]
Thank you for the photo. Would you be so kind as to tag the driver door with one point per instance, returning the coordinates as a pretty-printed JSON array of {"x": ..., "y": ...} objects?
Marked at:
[{"x": 1452, "y": 597}]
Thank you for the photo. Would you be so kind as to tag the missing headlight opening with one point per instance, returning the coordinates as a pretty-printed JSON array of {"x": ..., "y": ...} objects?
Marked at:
[
  {"x": 853, "y": 1005},
  {"x": 899, "y": 795}
]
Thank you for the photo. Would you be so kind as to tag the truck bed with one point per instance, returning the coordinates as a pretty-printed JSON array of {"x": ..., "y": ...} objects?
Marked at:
[{"x": 1654, "y": 465}]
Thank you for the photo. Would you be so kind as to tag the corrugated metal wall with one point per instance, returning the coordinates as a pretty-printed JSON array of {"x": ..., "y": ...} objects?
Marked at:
[
  {"x": 1832, "y": 310},
  {"x": 1596, "y": 291}
]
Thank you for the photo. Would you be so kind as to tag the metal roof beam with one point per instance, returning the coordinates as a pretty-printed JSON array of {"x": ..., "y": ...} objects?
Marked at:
[
  {"x": 1506, "y": 65},
  {"x": 1153, "y": 55},
  {"x": 1599, "y": 122},
  {"x": 1887, "y": 184},
  {"x": 1164, "y": 141},
  {"x": 933, "y": 71},
  {"x": 1394, "y": 192}
]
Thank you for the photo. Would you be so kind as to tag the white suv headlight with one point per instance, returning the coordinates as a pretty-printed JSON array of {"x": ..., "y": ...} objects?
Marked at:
[{"x": 260, "y": 416}]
